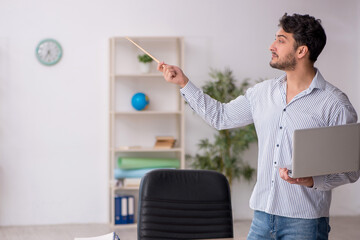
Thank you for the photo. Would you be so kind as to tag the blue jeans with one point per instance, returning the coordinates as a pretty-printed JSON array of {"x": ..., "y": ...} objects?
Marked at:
[{"x": 267, "y": 226}]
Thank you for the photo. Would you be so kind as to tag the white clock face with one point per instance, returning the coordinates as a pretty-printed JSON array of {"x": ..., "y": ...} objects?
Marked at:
[{"x": 49, "y": 52}]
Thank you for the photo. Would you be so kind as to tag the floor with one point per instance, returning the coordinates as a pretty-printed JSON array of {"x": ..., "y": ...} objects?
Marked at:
[{"x": 342, "y": 228}]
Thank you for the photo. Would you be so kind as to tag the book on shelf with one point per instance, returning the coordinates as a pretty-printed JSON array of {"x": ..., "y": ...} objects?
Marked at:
[
  {"x": 124, "y": 209},
  {"x": 109, "y": 236},
  {"x": 131, "y": 182},
  {"x": 164, "y": 142},
  {"x": 128, "y": 182},
  {"x": 122, "y": 148}
]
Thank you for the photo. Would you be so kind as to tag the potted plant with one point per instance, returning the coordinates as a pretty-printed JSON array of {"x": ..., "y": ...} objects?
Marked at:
[
  {"x": 145, "y": 61},
  {"x": 224, "y": 154}
]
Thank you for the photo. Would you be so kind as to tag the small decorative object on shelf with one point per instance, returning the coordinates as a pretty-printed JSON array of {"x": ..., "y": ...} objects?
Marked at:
[
  {"x": 140, "y": 101},
  {"x": 145, "y": 63}
]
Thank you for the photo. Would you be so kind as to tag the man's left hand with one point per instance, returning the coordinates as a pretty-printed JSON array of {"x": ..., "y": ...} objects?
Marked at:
[{"x": 306, "y": 181}]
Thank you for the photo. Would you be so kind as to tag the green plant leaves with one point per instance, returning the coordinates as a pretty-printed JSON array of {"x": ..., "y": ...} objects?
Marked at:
[
  {"x": 224, "y": 154},
  {"x": 144, "y": 58}
]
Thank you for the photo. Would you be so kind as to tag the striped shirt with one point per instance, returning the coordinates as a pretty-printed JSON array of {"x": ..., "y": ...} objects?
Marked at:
[{"x": 265, "y": 105}]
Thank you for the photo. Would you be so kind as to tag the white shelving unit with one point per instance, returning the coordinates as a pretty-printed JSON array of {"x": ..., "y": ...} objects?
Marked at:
[{"x": 163, "y": 117}]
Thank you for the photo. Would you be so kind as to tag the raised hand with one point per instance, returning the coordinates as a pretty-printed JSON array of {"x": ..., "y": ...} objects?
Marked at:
[{"x": 173, "y": 74}]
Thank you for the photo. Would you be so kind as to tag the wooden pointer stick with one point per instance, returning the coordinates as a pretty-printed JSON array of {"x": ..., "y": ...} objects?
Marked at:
[{"x": 143, "y": 50}]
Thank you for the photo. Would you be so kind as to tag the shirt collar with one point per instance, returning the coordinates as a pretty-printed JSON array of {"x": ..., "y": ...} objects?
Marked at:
[{"x": 317, "y": 82}]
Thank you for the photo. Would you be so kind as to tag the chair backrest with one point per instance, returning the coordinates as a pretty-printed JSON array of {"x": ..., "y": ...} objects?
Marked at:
[{"x": 184, "y": 204}]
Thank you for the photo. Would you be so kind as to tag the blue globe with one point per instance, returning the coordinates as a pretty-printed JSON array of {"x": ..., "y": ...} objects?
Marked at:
[{"x": 140, "y": 101}]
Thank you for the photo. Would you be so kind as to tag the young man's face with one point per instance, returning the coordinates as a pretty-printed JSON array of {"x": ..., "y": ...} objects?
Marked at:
[{"x": 283, "y": 52}]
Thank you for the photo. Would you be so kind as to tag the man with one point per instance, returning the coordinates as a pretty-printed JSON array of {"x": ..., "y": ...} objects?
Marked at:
[{"x": 284, "y": 208}]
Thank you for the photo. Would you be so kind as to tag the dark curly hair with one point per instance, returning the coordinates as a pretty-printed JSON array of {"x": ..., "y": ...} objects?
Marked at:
[{"x": 306, "y": 31}]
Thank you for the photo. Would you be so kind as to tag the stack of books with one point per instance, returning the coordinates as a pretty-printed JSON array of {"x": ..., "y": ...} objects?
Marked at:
[{"x": 164, "y": 142}]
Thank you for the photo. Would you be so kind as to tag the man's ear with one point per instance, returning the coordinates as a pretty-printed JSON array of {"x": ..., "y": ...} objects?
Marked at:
[{"x": 302, "y": 51}]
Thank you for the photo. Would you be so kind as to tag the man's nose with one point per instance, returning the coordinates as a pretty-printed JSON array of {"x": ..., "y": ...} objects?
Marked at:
[{"x": 272, "y": 47}]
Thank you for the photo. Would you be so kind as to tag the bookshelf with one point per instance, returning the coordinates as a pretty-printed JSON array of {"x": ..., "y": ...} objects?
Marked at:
[{"x": 133, "y": 133}]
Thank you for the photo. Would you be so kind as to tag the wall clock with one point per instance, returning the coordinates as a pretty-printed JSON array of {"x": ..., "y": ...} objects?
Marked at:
[{"x": 48, "y": 52}]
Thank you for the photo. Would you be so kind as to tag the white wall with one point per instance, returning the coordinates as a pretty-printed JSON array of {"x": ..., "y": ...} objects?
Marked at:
[
  {"x": 53, "y": 120},
  {"x": 346, "y": 199}
]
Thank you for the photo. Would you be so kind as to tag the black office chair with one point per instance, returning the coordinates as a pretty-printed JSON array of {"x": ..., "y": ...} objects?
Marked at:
[{"x": 184, "y": 204}]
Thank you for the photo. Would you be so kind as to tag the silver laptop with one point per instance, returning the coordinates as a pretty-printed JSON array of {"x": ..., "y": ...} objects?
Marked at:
[{"x": 326, "y": 150}]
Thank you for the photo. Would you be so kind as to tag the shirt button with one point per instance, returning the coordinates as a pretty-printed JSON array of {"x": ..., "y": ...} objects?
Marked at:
[
  {"x": 284, "y": 109},
  {"x": 274, "y": 162},
  {"x": 280, "y": 127},
  {"x": 277, "y": 145}
]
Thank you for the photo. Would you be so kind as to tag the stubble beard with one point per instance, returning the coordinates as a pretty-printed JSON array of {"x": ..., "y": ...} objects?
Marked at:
[{"x": 287, "y": 65}]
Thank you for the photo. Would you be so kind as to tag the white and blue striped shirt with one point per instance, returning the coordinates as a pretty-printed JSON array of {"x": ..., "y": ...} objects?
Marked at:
[{"x": 265, "y": 105}]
